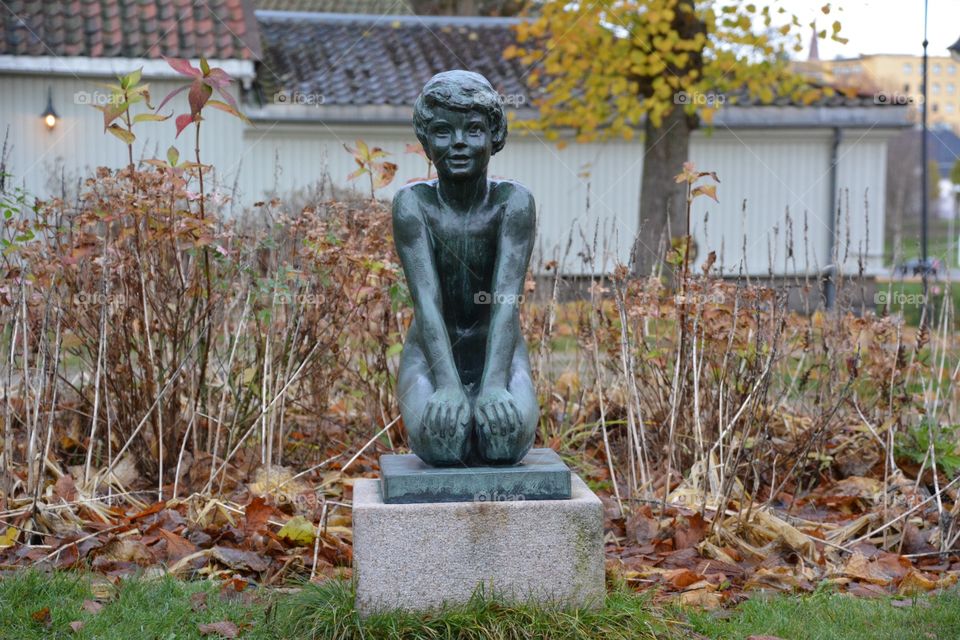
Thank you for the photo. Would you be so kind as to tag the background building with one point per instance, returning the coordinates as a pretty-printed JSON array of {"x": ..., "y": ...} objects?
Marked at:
[
  {"x": 800, "y": 183},
  {"x": 897, "y": 79}
]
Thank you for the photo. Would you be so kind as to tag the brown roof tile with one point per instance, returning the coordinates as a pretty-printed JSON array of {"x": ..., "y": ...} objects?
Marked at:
[
  {"x": 367, "y": 59},
  {"x": 129, "y": 28},
  {"x": 378, "y": 7}
]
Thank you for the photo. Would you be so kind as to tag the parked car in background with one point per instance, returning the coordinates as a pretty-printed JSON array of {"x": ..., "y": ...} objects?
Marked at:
[{"x": 917, "y": 267}]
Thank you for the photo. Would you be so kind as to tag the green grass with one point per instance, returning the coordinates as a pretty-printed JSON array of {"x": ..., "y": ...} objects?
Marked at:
[
  {"x": 161, "y": 609},
  {"x": 906, "y": 297},
  {"x": 828, "y": 615},
  {"x": 938, "y": 241},
  {"x": 326, "y": 611}
]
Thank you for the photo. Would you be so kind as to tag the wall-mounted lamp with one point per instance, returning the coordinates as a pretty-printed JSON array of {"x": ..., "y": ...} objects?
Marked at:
[{"x": 49, "y": 115}]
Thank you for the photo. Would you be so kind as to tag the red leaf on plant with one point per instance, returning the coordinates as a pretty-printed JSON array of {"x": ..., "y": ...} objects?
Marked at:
[
  {"x": 183, "y": 67},
  {"x": 218, "y": 77},
  {"x": 225, "y": 629},
  {"x": 200, "y": 92},
  {"x": 183, "y": 122}
]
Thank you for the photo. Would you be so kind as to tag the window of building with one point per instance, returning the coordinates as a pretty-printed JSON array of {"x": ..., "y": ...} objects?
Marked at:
[
  {"x": 907, "y": 69},
  {"x": 935, "y": 88},
  {"x": 936, "y": 68},
  {"x": 951, "y": 69},
  {"x": 948, "y": 107},
  {"x": 950, "y": 88}
]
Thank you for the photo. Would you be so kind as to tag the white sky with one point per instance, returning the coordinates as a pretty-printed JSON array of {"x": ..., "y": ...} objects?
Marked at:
[{"x": 879, "y": 26}]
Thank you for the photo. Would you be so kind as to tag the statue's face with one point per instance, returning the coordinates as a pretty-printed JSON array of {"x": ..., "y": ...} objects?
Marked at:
[{"x": 459, "y": 143}]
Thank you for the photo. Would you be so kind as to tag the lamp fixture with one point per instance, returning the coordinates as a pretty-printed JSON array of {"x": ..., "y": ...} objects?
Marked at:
[{"x": 49, "y": 115}]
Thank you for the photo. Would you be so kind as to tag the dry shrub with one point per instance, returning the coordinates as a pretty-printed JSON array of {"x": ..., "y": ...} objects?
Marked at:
[{"x": 106, "y": 302}]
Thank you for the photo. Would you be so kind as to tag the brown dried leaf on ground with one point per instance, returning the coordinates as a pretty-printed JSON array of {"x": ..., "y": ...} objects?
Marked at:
[
  {"x": 642, "y": 527},
  {"x": 224, "y": 629},
  {"x": 125, "y": 549},
  {"x": 257, "y": 513},
  {"x": 883, "y": 569},
  {"x": 782, "y": 578},
  {"x": 42, "y": 617},
  {"x": 177, "y": 547},
  {"x": 92, "y": 606},
  {"x": 706, "y": 598},
  {"x": 240, "y": 560}
]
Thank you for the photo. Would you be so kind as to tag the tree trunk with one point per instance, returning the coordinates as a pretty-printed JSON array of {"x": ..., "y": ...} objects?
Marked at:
[
  {"x": 662, "y": 200},
  {"x": 666, "y": 148}
]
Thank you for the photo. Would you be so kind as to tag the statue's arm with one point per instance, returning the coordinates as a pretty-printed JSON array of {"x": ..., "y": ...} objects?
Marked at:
[
  {"x": 513, "y": 257},
  {"x": 413, "y": 246}
]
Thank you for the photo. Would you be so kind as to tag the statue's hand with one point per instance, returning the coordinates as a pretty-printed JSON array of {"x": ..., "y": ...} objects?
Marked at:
[
  {"x": 447, "y": 412},
  {"x": 497, "y": 413}
]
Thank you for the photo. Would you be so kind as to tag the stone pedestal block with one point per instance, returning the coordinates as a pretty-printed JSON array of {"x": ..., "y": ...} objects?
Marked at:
[{"x": 419, "y": 556}]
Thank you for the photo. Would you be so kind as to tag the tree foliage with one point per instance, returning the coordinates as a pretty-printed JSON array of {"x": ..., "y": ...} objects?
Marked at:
[{"x": 601, "y": 67}]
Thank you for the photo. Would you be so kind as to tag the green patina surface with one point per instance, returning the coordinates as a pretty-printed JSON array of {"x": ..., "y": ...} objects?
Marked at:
[{"x": 541, "y": 475}]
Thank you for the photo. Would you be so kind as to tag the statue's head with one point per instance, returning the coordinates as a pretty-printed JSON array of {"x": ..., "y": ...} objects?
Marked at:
[{"x": 460, "y": 121}]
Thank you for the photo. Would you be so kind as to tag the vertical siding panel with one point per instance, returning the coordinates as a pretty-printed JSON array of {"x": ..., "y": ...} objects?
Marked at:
[{"x": 772, "y": 169}]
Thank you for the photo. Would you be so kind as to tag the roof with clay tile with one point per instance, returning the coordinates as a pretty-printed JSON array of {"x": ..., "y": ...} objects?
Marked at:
[{"x": 216, "y": 29}]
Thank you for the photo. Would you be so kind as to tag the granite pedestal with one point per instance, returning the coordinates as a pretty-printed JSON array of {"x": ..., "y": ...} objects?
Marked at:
[{"x": 419, "y": 556}]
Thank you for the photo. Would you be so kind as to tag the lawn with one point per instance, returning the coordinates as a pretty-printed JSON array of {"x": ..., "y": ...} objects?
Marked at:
[
  {"x": 905, "y": 296},
  {"x": 938, "y": 242},
  {"x": 36, "y": 606}
]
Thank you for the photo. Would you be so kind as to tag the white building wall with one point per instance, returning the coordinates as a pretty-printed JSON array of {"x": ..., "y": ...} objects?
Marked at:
[
  {"x": 283, "y": 158},
  {"x": 38, "y": 157},
  {"x": 587, "y": 192},
  {"x": 775, "y": 200}
]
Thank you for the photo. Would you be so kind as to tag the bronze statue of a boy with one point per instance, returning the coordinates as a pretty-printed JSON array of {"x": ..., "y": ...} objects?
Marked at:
[{"x": 466, "y": 393}]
